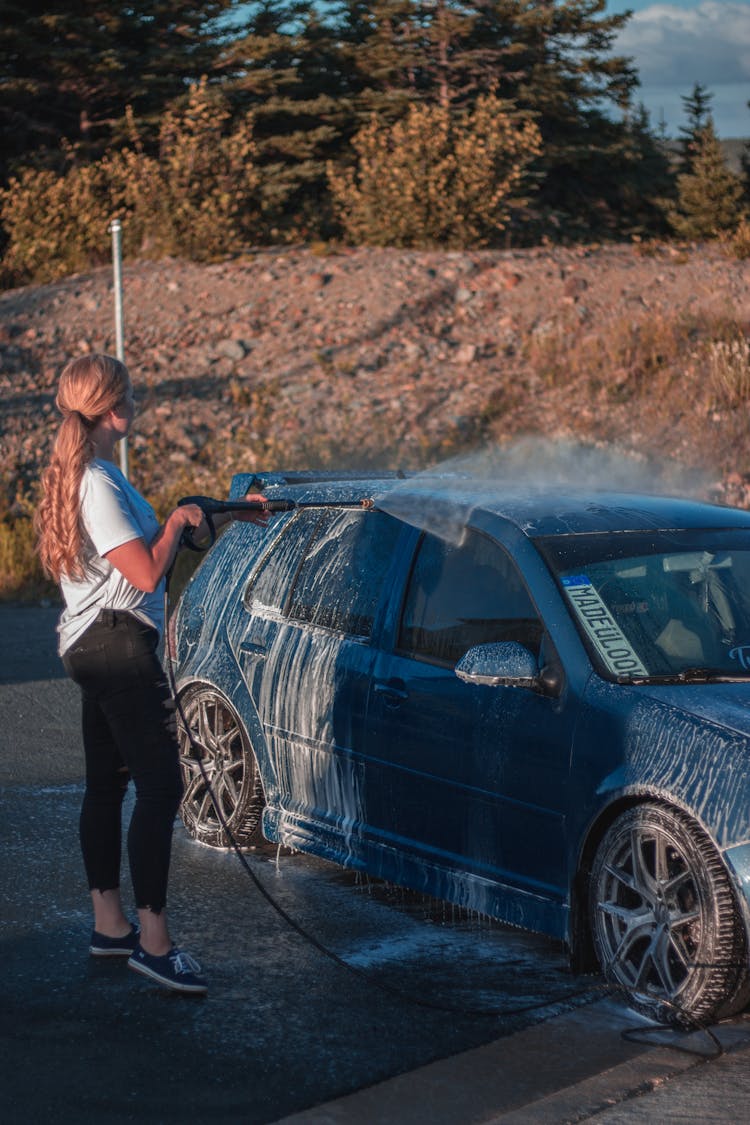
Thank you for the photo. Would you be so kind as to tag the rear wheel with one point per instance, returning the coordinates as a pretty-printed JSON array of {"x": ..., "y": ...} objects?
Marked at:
[
  {"x": 664, "y": 918},
  {"x": 227, "y": 793}
]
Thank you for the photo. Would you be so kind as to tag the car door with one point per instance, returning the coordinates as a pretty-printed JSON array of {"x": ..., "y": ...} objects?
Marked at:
[
  {"x": 471, "y": 776},
  {"x": 312, "y": 691}
]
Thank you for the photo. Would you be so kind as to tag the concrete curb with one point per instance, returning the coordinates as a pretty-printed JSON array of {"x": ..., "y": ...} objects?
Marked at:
[{"x": 567, "y": 1069}]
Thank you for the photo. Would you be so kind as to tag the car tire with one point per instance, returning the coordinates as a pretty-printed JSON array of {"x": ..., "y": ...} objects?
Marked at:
[
  {"x": 665, "y": 921},
  {"x": 229, "y": 778}
]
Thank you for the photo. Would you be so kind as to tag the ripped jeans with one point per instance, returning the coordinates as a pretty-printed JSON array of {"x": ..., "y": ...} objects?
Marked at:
[{"x": 128, "y": 731}]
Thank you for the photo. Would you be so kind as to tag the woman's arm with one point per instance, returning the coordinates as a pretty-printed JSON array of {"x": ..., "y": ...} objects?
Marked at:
[{"x": 145, "y": 564}]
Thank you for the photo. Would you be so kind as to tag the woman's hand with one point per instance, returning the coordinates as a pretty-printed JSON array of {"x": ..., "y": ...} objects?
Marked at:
[
  {"x": 190, "y": 515},
  {"x": 220, "y": 519},
  {"x": 145, "y": 564},
  {"x": 259, "y": 518}
]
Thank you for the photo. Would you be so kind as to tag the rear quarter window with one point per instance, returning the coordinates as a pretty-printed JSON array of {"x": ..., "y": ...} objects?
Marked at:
[
  {"x": 344, "y": 569},
  {"x": 269, "y": 585}
]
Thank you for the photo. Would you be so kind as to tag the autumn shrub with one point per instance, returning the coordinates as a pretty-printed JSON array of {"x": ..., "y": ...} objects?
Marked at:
[
  {"x": 199, "y": 198},
  {"x": 436, "y": 177},
  {"x": 21, "y": 575},
  {"x": 55, "y": 224},
  {"x": 196, "y": 199}
]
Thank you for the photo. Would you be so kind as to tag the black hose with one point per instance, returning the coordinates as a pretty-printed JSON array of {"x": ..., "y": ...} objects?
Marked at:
[{"x": 197, "y": 754}]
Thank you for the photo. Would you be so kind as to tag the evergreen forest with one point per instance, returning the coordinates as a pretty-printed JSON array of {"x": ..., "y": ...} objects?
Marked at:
[{"x": 217, "y": 125}]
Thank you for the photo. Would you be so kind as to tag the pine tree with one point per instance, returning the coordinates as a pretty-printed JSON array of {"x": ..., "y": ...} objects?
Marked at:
[
  {"x": 745, "y": 165},
  {"x": 697, "y": 108},
  {"x": 551, "y": 58},
  {"x": 709, "y": 195},
  {"x": 315, "y": 75},
  {"x": 68, "y": 71},
  {"x": 413, "y": 51},
  {"x": 286, "y": 64},
  {"x": 578, "y": 87},
  {"x": 645, "y": 178}
]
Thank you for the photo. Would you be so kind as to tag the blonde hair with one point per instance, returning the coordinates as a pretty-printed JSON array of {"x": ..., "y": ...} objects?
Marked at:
[{"x": 90, "y": 386}]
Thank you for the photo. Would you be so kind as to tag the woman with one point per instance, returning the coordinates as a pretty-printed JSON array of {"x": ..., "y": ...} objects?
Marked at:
[{"x": 101, "y": 541}]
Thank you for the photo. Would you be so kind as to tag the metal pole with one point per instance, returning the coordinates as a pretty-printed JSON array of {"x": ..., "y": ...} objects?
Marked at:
[{"x": 116, "y": 229}]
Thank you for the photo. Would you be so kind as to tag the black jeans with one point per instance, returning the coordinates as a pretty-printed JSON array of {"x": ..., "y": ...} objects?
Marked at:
[{"x": 128, "y": 731}]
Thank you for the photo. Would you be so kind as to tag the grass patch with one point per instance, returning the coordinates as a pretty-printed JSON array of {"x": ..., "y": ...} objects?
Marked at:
[
  {"x": 729, "y": 370},
  {"x": 737, "y": 244},
  {"x": 626, "y": 357}
]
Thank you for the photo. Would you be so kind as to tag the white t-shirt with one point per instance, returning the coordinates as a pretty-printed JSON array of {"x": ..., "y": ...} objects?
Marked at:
[{"x": 112, "y": 513}]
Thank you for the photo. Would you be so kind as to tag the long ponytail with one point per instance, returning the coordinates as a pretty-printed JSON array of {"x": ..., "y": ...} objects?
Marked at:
[{"x": 90, "y": 386}]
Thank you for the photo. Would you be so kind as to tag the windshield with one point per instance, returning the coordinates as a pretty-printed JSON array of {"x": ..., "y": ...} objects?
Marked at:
[{"x": 672, "y": 606}]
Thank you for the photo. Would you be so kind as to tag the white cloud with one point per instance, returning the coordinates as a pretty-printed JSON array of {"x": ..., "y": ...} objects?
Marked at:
[{"x": 709, "y": 43}]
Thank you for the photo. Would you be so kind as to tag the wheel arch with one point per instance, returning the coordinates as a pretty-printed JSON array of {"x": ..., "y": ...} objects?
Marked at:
[
  {"x": 242, "y": 704},
  {"x": 582, "y": 955}
]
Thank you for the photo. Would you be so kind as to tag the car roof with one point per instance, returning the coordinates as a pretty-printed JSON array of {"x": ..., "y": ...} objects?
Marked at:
[{"x": 431, "y": 499}]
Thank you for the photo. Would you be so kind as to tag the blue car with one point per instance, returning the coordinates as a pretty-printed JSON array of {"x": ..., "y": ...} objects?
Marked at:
[{"x": 534, "y": 704}]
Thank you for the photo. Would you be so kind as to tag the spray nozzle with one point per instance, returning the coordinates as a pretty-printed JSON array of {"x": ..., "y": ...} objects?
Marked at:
[{"x": 212, "y": 507}]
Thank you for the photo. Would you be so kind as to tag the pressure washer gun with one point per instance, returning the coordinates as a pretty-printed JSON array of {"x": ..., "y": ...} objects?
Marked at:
[{"x": 212, "y": 507}]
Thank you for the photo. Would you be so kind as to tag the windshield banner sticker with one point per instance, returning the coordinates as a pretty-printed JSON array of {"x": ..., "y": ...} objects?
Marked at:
[
  {"x": 741, "y": 653},
  {"x": 609, "y": 640}
]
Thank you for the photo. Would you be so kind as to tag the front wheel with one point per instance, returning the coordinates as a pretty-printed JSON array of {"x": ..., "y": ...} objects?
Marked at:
[
  {"x": 226, "y": 795},
  {"x": 664, "y": 919}
]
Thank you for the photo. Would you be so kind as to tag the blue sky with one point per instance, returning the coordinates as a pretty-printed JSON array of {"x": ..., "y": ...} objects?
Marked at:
[{"x": 676, "y": 43}]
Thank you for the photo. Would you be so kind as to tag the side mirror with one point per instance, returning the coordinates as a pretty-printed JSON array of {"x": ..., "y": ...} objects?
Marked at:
[{"x": 506, "y": 664}]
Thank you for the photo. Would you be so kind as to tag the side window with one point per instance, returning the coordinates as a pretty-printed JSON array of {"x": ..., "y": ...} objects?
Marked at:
[
  {"x": 463, "y": 596},
  {"x": 269, "y": 586},
  {"x": 346, "y": 564}
]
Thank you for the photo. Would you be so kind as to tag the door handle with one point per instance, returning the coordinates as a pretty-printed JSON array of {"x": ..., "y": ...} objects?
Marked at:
[{"x": 391, "y": 692}]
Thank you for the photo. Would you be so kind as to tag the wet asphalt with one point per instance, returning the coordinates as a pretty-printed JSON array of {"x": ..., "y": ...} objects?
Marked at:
[{"x": 283, "y": 1027}]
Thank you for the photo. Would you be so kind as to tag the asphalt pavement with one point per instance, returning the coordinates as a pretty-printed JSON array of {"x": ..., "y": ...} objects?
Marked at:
[{"x": 285, "y": 1033}]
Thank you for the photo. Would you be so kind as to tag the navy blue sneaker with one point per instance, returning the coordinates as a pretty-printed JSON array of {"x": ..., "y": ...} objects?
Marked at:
[
  {"x": 176, "y": 970},
  {"x": 103, "y": 946}
]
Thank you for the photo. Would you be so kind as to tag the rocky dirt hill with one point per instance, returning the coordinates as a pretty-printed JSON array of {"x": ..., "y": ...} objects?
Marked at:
[{"x": 287, "y": 358}]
